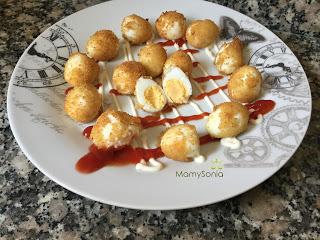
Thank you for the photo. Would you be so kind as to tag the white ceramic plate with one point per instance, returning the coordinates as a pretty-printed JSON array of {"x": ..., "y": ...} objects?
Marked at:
[{"x": 54, "y": 143}]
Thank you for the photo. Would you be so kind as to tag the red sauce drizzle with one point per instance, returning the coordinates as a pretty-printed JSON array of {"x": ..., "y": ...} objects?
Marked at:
[
  {"x": 67, "y": 90},
  {"x": 180, "y": 41},
  {"x": 260, "y": 107},
  {"x": 212, "y": 92},
  {"x": 192, "y": 51},
  {"x": 195, "y": 64},
  {"x": 96, "y": 158},
  {"x": 152, "y": 121},
  {"x": 166, "y": 109},
  {"x": 70, "y": 88},
  {"x": 207, "y": 78},
  {"x": 115, "y": 92},
  {"x": 87, "y": 131},
  {"x": 168, "y": 43}
]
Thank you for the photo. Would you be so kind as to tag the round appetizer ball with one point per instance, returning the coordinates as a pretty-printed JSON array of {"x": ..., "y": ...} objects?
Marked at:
[
  {"x": 150, "y": 95},
  {"x": 230, "y": 57},
  {"x": 153, "y": 57},
  {"x": 115, "y": 129},
  {"x": 245, "y": 84},
  {"x": 125, "y": 76},
  {"x": 136, "y": 29},
  {"x": 180, "y": 142},
  {"x": 80, "y": 69},
  {"x": 171, "y": 25},
  {"x": 181, "y": 60},
  {"x": 103, "y": 45},
  {"x": 177, "y": 86},
  {"x": 228, "y": 119},
  {"x": 202, "y": 33},
  {"x": 83, "y": 103}
]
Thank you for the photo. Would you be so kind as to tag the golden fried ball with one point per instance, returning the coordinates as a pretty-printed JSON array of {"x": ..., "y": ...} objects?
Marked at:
[
  {"x": 228, "y": 119},
  {"x": 115, "y": 129},
  {"x": 245, "y": 84},
  {"x": 136, "y": 29},
  {"x": 180, "y": 142},
  {"x": 80, "y": 69},
  {"x": 202, "y": 33},
  {"x": 181, "y": 60},
  {"x": 125, "y": 76},
  {"x": 103, "y": 45},
  {"x": 230, "y": 57},
  {"x": 153, "y": 57},
  {"x": 171, "y": 25},
  {"x": 83, "y": 103}
]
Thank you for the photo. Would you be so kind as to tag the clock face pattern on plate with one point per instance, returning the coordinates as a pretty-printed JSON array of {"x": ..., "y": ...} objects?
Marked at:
[
  {"x": 36, "y": 96},
  {"x": 43, "y": 63},
  {"x": 279, "y": 67}
]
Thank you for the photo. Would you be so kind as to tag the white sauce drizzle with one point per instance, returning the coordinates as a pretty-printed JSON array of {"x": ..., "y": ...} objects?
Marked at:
[
  {"x": 105, "y": 78},
  {"x": 153, "y": 165},
  {"x": 199, "y": 159},
  {"x": 231, "y": 142},
  {"x": 258, "y": 120}
]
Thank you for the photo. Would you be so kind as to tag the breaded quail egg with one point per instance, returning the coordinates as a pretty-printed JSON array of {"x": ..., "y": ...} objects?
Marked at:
[
  {"x": 202, "y": 33},
  {"x": 230, "y": 57},
  {"x": 171, "y": 25},
  {"x": 152, "y": 57},
  {"x": 177, "y": 86},
  {"x": 125, "y": 76},
  {"x": 83, "y": 103},
  {"x": 245, "y": 84},
  {"x": 115, "y": 129},
  {"x": 150, "y": 95},
  {"x": 228, "y": 119},
  {"x": 180, "y": 142},
  {"x": 136, "y": 29},
  {"x": 103, "y": 45},
  {"x": 80, "y": 69},
  {"x": 181, "y": 60}
]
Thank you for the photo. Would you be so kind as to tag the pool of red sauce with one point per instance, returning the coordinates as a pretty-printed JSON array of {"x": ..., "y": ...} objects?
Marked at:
[
  {"x": 96, "y": 158},
  {"x": 70, "y": 88}
]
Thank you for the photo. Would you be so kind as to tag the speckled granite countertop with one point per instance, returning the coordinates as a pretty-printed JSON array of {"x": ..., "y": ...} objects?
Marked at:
[{"x": 287, "y": 206}]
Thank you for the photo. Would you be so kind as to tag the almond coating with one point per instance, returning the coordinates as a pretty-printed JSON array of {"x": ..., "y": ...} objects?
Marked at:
[
  {"x": 171, "y": 25},
  {"x": 180, "y": 142},
  {"x": 125, "y": 76},
  {"x": 83, "y": 103},
  {"x": 80, "y": 69},
  {"x": 245, "y": 84},
  {"x": 152, "y": 57},
  {"x": 103, "y": 45},
  {"x": 202, "y": 33},
  {"x": 136, "y": 29}
]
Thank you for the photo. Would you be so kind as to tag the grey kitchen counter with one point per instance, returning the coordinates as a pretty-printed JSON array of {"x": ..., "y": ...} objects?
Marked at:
[{"x": 286, "y": 206}]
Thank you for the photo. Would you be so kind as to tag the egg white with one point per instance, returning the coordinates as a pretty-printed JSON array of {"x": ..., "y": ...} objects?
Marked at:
[
  {"x": 141, "y": 86},
  {"x": 178, "y": 74}
]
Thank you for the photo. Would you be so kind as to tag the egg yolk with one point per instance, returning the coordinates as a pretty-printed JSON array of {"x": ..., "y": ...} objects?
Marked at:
[
  {"x": 154, "y": 97},
  {"x": 176, "y": 91}
]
